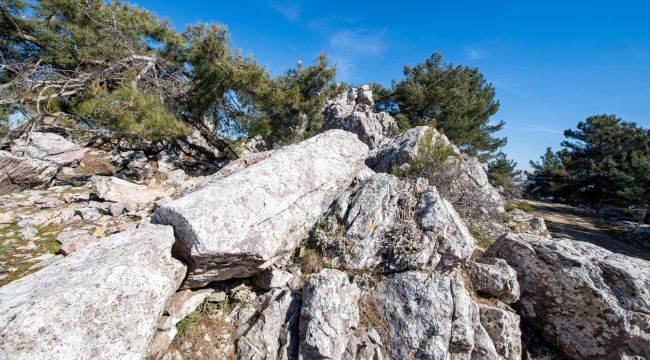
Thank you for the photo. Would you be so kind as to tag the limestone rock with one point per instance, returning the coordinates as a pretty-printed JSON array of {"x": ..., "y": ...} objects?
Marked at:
[
  {"x": 102, "y": 302},
  {"x": 418, "y": 308},
  {"x": 243, "y": 223},
  {"x": 17, "y": 172},
  {"x": 461, "y": 180},
  {"x": 495, "y": 278},
  {"x": 118, "y": 190},
  {"x": 586, "y": 300},
  {"x": 329, "y": 315},
  {"x": 49, "y": 147},
  {"x": 272, "y": 278},
  {"x": 394, "y": 225},
  {"x": 200, "y": 182},
  {"x": 352, "y": 111},
  {"x": 272, "y": 333},
  {"x": 439, "y": 220},
  {"x": 502, "y": 325}
]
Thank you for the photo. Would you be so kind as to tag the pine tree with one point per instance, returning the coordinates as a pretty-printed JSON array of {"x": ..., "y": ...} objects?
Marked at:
[{"x": 457, "y": 99}]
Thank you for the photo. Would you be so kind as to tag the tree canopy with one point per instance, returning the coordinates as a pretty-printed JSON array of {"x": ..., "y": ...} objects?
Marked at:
[
  {"x": 457, "y": 100},
  {"x": 605, "y": 160},
  {"x": 115, "y": 65}
]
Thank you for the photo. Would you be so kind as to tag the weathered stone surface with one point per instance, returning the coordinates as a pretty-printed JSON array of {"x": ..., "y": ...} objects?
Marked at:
[
  {"x": 74, "y": 243},
  {"x": 392, "y": 224},
  {"x": 588, "y": 301},
  {"x": 200, "y": 182},
  {"x": 440, "y": 221},
  {"x": 118, "y": 190},
  {"x": 272, "y": 278},
  {"x": 103, "y": 302},
  {"x": 17, "y": 172},
  {"x": 494, "y": 277},
  {"x": 502, "y": 325},
  {"x": 49, "y": 147},
  {"x": 329, "y": 315},
  {"x": 352, "y": 111},
  {"x": 418, "y": 308},
  {"x": 93, "y": 162},
  {"x": 243, "y": 223},
  {"x": 272, "y": 333},
  {"x": 461, "y": 180}
]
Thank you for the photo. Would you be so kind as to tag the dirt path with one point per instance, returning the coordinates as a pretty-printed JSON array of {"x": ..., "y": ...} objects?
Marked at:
[{"x": 579, "y": 224}]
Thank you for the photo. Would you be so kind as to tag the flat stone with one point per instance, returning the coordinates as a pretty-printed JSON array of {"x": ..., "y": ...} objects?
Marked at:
[
  {"x": 17, "y": 172},
  {"x": 102, "y": 302},
  {"x": 243, "y": 223},
  {"x": 118, "y": 190}
]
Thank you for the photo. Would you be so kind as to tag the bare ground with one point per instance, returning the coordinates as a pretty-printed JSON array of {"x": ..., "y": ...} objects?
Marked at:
[{"x": 582, "y": 225}]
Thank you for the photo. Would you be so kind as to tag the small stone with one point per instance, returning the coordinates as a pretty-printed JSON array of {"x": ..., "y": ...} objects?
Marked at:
[
  {"x": 127, "y": 226},
  {"x": 89, "y": 213},
  {"x": 272, "y": 278},
  {"x": 217, "y": 296},
  {"x": 116, "y": 208},
  {"x": 76, "y": 243}
]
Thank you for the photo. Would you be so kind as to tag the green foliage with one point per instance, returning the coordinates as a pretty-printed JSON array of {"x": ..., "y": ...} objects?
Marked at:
[
  {"x": 518, "y": 204},
  {"x": 457, "y": 99},
  {"x": 604, "y": 161},
  {"x": 430, "y": 159},
  {"x": 502, "y": 172},
  {"x": 131, "y": 112},
  {"x": 292, "y": 109}
]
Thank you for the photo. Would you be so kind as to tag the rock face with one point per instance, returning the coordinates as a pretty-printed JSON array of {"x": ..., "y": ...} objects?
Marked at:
[
  {"x": 353, "y": 111},
  {"x": 118, "y": 190},
  {"x": 17, "y": 172},
  {"x": 588, "y": 301},
  {"x": 432, "y": 316},
  {"x": 272, "y": 332},
  {"x": 462, "y": 179},
  {"x": 328, "y": 316},
  {"x": 392, "y": 224},
  {"x": 102, "y": 302},
  {"x": 49, "y": 147},
  {"x": 495, "y": 278},
  {"x": 260, "y": 213}
]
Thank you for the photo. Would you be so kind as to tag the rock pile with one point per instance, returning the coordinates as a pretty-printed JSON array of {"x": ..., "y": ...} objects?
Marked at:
[{"x": 311, "y": 251}]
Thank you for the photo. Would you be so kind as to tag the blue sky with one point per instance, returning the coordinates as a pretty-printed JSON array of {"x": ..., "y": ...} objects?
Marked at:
[{"x": 553, "y": 63}]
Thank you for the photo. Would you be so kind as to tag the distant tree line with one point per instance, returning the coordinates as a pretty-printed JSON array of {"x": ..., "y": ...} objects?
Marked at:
[
  {"x": 115, "y": 66},
  {"x": 604, "y": 161}
]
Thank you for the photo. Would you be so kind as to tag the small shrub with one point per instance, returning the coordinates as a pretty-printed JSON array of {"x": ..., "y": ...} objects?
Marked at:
[
  {"x": 519, "y": 204},
  {"x": 430, "y": 160},
  {"x": 309, "y": 260},
  {"x": 483, "y": 239}
]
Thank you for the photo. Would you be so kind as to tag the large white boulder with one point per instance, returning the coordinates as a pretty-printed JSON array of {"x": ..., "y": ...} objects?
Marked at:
[
  {"x": 102, "y": 302},
  {"x": 588, "y": 301},
  {"x": 243, "y": 223}
]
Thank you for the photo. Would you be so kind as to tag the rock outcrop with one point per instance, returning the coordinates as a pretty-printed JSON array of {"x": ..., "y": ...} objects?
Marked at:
[
  {"x": 260, "y": 213},
  {"x": 393, "y": 225},
  {"x": 588, "y": 301},
  {"x": 461, "y": 178},
  {"x": 103, "y": 302},
  {"x": 495, "y": 278},
  {"x": 329, "y": 315},
  {"x": 353, "y": 111}
]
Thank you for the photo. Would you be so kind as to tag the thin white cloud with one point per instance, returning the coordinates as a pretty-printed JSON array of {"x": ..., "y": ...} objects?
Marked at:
[
  {"x": 358, "y": 42},
  {"x": 291, "y": 9},
  {"x": 474, "y": 52},
  {"x": 347, "y": 47},
  {"x": 535, "y": 128}
]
